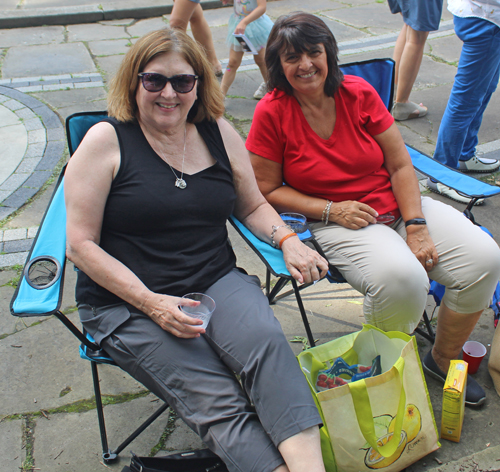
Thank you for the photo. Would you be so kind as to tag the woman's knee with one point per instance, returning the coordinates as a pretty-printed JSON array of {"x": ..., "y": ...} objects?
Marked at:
[
  {"x": 398, "y": 301},
  {"x": 234, "y": 62},
  {"x": 475, "y": 280}
]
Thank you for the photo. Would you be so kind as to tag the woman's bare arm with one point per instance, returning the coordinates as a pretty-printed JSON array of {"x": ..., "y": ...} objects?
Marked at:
[
  {"x": 259, "y": 216},
  {"x": 406, "y": 190},
  {"x": 269, "y": 174}
]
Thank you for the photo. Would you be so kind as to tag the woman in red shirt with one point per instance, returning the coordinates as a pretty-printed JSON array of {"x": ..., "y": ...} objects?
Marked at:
[{"x": 344, "y": 165}]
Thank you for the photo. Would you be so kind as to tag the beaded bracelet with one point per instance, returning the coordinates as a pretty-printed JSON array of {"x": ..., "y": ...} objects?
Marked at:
[
  {"x": 276, "y": 228},
  {"x": 284, "y": 238},
  {"x": 326, "y": 212}
]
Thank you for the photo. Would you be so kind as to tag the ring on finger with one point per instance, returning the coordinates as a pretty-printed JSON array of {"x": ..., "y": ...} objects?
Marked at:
[{"x": 430, "y": 261}]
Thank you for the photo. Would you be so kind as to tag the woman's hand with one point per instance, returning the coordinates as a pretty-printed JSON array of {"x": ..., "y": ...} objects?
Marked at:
[
  {"x": 164, "y": 311},
  {"x": 421, "y": 244},
  {"x": 240, "y": 27},
  {"x": 352, "y": 214},
  {"x": 304, "y": 264}
]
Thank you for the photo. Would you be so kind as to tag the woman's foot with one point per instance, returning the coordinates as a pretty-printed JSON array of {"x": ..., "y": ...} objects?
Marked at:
[
  {"x": 474, "y": 395},
  {"x": 407, "y": 111}
]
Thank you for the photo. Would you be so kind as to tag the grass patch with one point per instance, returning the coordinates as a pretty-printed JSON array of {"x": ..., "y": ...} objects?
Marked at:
[
  {"x": 80, "y": 406},
  {"x": 303, "y": 340},
  {"x": 28, "y": 442},
  {"x": 70, "y": 310},
  {"x": 169, "y": 429},
  {"x": 14, "y": 282}
]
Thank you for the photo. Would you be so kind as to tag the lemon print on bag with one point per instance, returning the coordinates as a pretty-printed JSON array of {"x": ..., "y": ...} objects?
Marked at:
[
  {"x": 374, "y": 460},
  {"x": 412, "y": 422},
  {"x": 384, "y": 427}
]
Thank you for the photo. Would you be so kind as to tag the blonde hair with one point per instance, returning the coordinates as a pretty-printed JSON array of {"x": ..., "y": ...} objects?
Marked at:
[{"x": 122, "y": 104}]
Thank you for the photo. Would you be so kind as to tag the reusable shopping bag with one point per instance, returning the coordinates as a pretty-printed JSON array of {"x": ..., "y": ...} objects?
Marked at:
[{"x": 382, "y": 422}]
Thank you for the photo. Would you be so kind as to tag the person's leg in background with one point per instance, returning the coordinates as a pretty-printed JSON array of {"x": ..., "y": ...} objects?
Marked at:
[
  {"x": 234, "y": 62},
  {"x": 261, "y": 63},
  {"x": 185, "y": 11},
  {"x": 476, "y": 79},
  {"x": 408, "y": 54}
]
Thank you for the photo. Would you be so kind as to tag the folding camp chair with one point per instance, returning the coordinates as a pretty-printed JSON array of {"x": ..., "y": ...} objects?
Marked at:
[
  {"x": 380, "y": 74},
  {"x": 39, "y": 292}
]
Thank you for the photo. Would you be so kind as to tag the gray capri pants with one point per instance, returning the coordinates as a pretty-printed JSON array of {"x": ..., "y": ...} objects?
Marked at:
[
  {"x": 196, "y": 376},
  {"x": 377, "y": 262}
]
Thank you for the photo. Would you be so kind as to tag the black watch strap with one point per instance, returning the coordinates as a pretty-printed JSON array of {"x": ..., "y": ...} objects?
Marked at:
[{"x": 416, "y": 221}]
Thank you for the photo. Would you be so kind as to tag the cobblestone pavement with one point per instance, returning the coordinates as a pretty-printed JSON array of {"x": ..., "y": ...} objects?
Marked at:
[{"x": 52, "y": 69}]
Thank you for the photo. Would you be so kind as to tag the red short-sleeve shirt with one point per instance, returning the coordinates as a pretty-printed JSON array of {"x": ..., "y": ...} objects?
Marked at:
[{"x": 347, "y": 166}]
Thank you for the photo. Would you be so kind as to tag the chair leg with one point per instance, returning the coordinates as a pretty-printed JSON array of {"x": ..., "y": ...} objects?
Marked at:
[
  {"x": 107, "y": 455},
  {"x": 140, "y": 429},
  {"x": 282, "y": 281},
  {"x": 429, "y": 335},
  {"x": 310, "y": 336}
]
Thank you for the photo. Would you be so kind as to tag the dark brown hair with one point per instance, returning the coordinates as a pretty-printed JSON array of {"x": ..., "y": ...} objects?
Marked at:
[
  {"x": 122, "y": 104},
  {"x": 298, "y": 32}
]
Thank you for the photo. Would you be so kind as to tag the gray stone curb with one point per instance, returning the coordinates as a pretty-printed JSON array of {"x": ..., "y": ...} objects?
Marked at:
[
  {"x": 46, "y": 144},
  {"x": 87, "y": 14}
]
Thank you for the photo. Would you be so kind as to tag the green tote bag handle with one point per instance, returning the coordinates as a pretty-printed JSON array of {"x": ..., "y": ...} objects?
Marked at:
[{"x": 364, "y": 415}]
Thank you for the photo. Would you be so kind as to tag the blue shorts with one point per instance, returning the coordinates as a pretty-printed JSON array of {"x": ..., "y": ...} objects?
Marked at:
[{"x": 421, "y": 15}]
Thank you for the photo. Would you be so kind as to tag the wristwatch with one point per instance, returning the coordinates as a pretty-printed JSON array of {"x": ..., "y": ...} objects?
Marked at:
[{"x": 416, "y": 221}]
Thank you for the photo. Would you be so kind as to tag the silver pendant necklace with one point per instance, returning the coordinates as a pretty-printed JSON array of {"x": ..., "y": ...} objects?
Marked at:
[{"x": 179, "y": 181}]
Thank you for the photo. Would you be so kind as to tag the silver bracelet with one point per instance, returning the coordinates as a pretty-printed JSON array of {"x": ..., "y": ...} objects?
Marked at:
[
  {"x": 276, "y": 228},
  {"x": 326, "y": 212}
]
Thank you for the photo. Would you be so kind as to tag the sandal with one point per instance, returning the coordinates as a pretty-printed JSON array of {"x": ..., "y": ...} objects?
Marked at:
[{"x": 407, "y": 111}]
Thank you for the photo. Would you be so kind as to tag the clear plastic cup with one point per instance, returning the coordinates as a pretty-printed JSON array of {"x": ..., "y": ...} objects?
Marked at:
[
  {"x": 473, "y": 353},
  {"x": 297, "y": 222},
  {"x": 203, "y": 311}
]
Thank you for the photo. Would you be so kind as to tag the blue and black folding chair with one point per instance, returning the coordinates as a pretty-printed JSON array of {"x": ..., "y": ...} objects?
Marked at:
[
  {"x": 380, "y": 74},
  {"x": 39, "y": 292}
]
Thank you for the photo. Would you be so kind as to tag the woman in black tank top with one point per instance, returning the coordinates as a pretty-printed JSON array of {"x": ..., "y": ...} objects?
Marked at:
[{"x": 148, "y": 194}]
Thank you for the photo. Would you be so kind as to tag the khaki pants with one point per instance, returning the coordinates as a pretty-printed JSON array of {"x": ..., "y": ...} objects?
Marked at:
[{"x": 377, "y": 262}]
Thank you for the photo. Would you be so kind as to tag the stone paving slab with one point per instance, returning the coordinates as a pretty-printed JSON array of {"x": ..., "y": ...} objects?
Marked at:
[
  {"x": 47, "y": 354},
  {"x": 13, "y": 142},
  {"x": 40, "y": 60},
  {"x": 181, "y": 439},
  {"x": 11, "y": 449},
  {"x": 31, "y": 36},
  {"x": 62, "y": 442}
]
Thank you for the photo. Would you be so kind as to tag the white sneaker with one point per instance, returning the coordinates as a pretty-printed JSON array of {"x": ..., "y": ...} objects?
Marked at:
[
  {"x": 261, "y": 91},
  {"x": 479, "y": 164},
  {"x": 446, "y": 191}
]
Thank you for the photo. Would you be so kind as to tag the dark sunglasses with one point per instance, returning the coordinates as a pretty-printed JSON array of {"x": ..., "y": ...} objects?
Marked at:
[{"x": 153, "y": 82}]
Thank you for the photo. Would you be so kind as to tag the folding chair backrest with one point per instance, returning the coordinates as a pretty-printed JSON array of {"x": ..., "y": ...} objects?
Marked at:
[
  {"x": 40, "y": 288},
  {"x": 77, "y": 126},
  {"x": 379, "y": 73}
]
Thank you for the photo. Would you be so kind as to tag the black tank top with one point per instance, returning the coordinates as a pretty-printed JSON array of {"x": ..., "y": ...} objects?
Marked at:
[{"x": 175, "y": 240}]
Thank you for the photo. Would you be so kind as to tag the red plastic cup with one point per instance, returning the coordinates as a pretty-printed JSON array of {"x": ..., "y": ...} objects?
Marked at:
[{"x": 473, "y": 353}]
